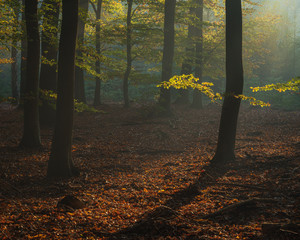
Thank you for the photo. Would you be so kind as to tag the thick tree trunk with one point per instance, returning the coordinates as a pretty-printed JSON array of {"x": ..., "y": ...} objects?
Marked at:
[
  {"x": 23, "y": 58},
  {"x": 197, "y": 96},
  {"x": 234, "y": 83},
  {"x": 14, "y": 74},
  {"x": 168, "y": 53},
  {"x": 48, "y": 75},
  {"x": 60, "y": 162},
  {"x": 31, "y": 134},
  {"x": 97, "y": 98},
  {"x": 79, "y": 74},
  {"x": 129, "y": 57}
]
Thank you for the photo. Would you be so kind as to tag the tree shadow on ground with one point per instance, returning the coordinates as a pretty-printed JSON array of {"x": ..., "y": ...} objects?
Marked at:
[{"x": 155, "y": 223}]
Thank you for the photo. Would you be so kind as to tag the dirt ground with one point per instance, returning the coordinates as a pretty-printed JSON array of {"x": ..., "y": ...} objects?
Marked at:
[{"x": 145, "y": 177}]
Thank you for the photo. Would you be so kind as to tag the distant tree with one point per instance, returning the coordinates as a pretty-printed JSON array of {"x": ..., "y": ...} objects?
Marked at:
[
  {"x": 49, "y": 47},
  {"x": 187, "y": 64},
  {"x": 31, "y": 133},
  {"x": 79, "y": 72},
  {"x": 16, "y": 6},
  {"x": 60, "y": 162},
  {"x": 197, "y": 97},
  {"x": 234, "y": 83},
  {"x": 23, "y": 57},
  {"x": 128, "y": 53},
  {"x": 168, "y": 52},
  {"x": 97, "y": 97}
]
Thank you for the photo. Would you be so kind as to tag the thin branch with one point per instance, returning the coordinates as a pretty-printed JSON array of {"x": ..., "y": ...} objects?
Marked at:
[{"x": 94, "y": 7}]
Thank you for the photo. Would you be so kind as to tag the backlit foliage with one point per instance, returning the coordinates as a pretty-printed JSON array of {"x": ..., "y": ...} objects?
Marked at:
[{"x": 292, "y": 85}]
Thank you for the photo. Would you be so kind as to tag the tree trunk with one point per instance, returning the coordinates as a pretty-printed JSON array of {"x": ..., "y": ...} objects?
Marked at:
[
  {"x": 31, "y": 134},
  {"x": 48, "y": 75},
  {"x": 60, "y": 162},
  {"x": 186, "y": 67},
  {"x": 168, "y": 53},
  {"x": 23, "y": 58},
  {"x": 97, "y": 98},
  {"x": 79, "y": 74},
  {"x": 197, "y": 96},
  {"x": 129, "y": 58},
  {"x": 234, "y": 83},
  {"x": 14, "y": 73}
]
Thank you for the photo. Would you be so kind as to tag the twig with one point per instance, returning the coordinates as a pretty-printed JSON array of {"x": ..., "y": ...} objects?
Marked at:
[
  {"x": 248, "y": 202},
  {"x": 239, "y": 185}
]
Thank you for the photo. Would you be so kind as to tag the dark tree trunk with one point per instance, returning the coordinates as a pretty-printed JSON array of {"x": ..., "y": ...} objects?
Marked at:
[
  {"x": 234, "y": 83},
  {"x": 197, "y": 96},
  {"x": 48, "y": 74},
  {"x": 97, "y": 98},
  {"x": 129, "y": 57},
  {"x": 31, "y": 134},
  {"x": 168, "y": 53},
  {"x": 23, "y": 58},
  {"x": 14, "y": 74},
  {"x": 79, "y": 74},
  {"x": 60, "y": 162}
]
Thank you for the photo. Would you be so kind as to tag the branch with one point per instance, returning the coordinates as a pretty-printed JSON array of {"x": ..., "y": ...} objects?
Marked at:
[
  {"x": 249, "y": 202},
  {"x": 94, "y": 7}
]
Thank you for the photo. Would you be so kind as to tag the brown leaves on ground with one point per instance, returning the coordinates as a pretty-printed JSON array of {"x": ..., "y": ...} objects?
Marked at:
[{"x": 144, "y": 179}]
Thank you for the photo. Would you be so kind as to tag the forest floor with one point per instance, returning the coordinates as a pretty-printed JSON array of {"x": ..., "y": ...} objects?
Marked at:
[{"x": 146, "y": 177}]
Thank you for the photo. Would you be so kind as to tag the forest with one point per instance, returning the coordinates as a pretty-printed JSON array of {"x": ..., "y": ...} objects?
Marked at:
[{"x": 150, "y": 119}]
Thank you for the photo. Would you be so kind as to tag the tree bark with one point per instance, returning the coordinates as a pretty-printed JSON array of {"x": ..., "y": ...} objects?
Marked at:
[
  {"x": 60, "y": 162},
  {"x": 197, "y": 96},
  {"x": 168, "y": 53},
  {"x": 23, "y": 58},
  {"x": 31, "y": 133},
  {"x": 97, "y": 98},
  {"x": 48, "y": 74},
  {"x": 14, "y": 73},
  {"x": 128, "y": 55},
  {"x": 79, "y": 73},
  {"x": 234, "y": 83}
]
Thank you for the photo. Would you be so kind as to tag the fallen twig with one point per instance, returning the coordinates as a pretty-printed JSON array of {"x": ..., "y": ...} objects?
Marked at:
[
  {"x": 248, "y": 202},
  {"x": 240, "y": 185}
]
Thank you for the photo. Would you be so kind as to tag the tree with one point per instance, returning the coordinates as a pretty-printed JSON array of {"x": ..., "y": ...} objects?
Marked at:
[
  {"x": 60, "y": 162},
  {"x": 186, "y": 67},
  {"x": 97, "y": 98},
  {"x": 197, "y": 97},
  {"x": 48, "y": 75},
  {"x": 168, "y": 53},
  {"x": 234, "y": 83},
  {"x": 79, "y": 73},
  {"x": 14, "y": 52},
  {"x": 128, "y": 51},
  {"x": 31, "y": 133},
  {"x": 23, "y": 57}
]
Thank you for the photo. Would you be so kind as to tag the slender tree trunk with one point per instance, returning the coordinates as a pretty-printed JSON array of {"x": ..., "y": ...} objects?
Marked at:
[
  {"x": 97, "y": 98},
  {"x": 14, "y": 53},
  {"x": 186, "y": 67},
  {"x": 31, "y": 134},
  {"x": 197, "y": 96},
  {"x": 14, "y": 73},
  {"x": 129, "y": 57},
  {"x": 60, "y": 162},
  {"x": 23, "y": 57},
  {"x": 48, "y": 74},
  {"x": 168, "y": 53},
  {"x": 234, "y": 83},
  {"x": 79, "y": 74}
]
